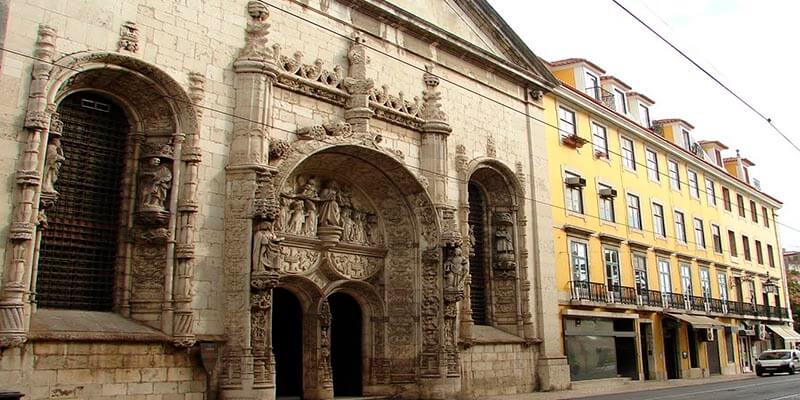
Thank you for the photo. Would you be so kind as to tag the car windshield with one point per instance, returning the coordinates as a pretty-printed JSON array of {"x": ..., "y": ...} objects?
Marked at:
[{"x": 775, "y": 355}]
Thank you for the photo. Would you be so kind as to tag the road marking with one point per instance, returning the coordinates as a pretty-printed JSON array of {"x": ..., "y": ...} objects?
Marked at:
[{"x": 725, "y": 389}]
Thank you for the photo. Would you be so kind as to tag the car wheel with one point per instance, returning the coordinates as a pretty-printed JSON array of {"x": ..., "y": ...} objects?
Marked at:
[{"x": 759, "y": 373}]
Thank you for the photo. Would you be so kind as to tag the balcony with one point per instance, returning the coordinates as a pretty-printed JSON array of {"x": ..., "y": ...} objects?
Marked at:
[{"x": 629, "y": 297}]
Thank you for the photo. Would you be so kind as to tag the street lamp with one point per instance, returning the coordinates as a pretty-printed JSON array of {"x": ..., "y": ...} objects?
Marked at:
[{"x": 770, "y": 286}]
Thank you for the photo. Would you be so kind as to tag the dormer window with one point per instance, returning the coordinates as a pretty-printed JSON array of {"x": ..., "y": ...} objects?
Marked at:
[
  {"x": 592, "y": 83},
  {"x": 644, "y": 115},
  {"x": 687, "y": 140},
  {"x": 718, "y": 156},
  {"x": 619, "y": 101}
]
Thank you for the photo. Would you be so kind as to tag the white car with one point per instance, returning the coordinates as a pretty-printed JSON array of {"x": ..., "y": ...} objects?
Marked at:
[{"x": 772, "y": 361}]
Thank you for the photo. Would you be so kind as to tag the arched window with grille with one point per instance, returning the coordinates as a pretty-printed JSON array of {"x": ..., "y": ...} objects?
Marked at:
[
  {"x": 478, "y": 254},
  {"x": 79, "y": 245}
]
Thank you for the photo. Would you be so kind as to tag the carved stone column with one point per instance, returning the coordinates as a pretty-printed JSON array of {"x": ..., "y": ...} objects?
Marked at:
[
  {"x": 255, "y": 72},
  {"x": 18, "y": 263},
  {"x": 357, "y": 111},
  {"x": 183, "y": 292},
  {"x": 435, "y": 130}
]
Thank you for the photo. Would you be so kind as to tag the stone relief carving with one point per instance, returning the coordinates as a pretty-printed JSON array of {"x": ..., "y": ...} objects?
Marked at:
[
  {"x": 315, "y": 72},
  {"x": 54, "y": 157},
  {"x": 491, "y": 147},
  {"x": 129, "y": 37},
  {"x": 455, "y": 270},
  {"x": 505, "y": 257},
  {"x": 355, "y": 266},
  {"x": 312, "y": 206},
  {"x": 324, "y": 361},
  {"x": 266, "y": 248},
  {"x": 256, "y": 32},
  {"x": 396, "y": 109},
  {"x": 155, "y": 180},
  {"x": 298, "y": 260}
]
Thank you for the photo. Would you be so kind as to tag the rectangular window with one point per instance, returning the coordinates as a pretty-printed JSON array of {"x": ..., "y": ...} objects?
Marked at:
[
  {"x": 770, "y": 256},
  {"x": 753, "y": 211},
  {"x": 566, "y": 122},
  {"x": 628, "y": 154},
  {"x": 722, "y": 285},
  {"x": 716, "y": 237},
  {"x": 592, "y": 85},
  {"x": 711, "y": 194},
  {"x": 619, "y": 101},
  {"x": 740, "y": 204},
  {"x": 765, "y": 216},
  {"x": 746, "y": 248},
  {"x": 644, "y": 115},
  {"x": 640, "y": 272},
  {"x": 726, "y": 198},
  {"x": 606, "y": 203},
  {"x": 664, "y": 276},
  {"x": 634, "y": 212},
  {"x": 613, "y": 279},
  {"x": 732, "y": 243},
  {"x": 729, "y": 344},
  {"x": 652, "y": 164},
  {"x": 574, "y": 195},
  {"x": 686, "y": 279},
  {"x": 680, "y": 227},
  {"x": 599, "y": 140},
  {"x": 580, "y": 261},
  {"x": 759, "y": 252},
  {"x": 687, "y": 140},
  {"x": 705, "y": 282},
  {"x": 694, "y": 189},
  {"x": 699, "y": 234},
  {"x": 674, "y": 175},
  {"x": 658, "y": 220}
]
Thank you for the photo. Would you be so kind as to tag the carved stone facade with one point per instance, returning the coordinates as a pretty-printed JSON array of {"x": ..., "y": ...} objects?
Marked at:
[{"x": 257, "y": 183}]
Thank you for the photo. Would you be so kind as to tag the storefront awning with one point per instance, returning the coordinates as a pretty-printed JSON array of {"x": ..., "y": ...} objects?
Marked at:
[
  {"x": 785, "y": 332},
  {"x": 698, "y": 321}
]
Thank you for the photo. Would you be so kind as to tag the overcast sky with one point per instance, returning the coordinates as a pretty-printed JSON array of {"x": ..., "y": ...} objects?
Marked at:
[{"x": 751, "y": 46}]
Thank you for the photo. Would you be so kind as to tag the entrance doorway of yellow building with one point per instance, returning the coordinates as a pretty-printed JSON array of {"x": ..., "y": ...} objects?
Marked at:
[
  {"x": 646, "y": 342},
  {"x": 671, "y": 349}
]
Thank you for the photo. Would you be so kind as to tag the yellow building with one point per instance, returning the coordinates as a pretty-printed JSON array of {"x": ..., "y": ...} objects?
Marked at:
[{"x": 667, "y": 253}]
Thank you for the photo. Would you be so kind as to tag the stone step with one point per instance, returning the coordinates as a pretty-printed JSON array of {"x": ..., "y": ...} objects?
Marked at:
[{"x": 607, "y": 382}]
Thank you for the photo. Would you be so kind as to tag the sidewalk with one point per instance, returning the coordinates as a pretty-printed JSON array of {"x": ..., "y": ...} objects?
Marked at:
[{"x": 631, "y": 386}]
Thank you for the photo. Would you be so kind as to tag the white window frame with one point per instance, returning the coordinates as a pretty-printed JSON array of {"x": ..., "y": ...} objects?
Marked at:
[
  {"x": 605, "y": 205},
  {"x": 628, "y": 155},
  {"x": 664, "y": 275},
  {"x": 652, "y": 173},
  {"x": 722, "y": 283},
  {"x": 570, "y": 193},
  {"x": 686, "y": 278},
  {"x": 573, "y": 256},
  {"x": 562, "y": 122},
  {"x": 694, "y": 185},
  {"x": 592, "y": 91},
  {"x": 680, "y": 227},
  {"x": 612, "y": 280},
  {"x": 687, "y": 139},
  {"x": 619, "y": 100},
  {"x": 637, "y": 223},
  {"x": 674, "y": 180},
  {"x": 600, "y": 140},
  {"x": 719, "y": 235},
  {"x": 711, "y": 192},
  {"x": 699, "y": 233},
  {"x": 659, "y": 221},
  {"x": 638, "y": 280},
  {"x": 644, "y": 115},
  {"x": 705, "y": 282}
]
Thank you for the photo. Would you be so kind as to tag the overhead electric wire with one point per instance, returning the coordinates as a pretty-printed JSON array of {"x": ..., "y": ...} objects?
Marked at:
[
  {"x": 710, "y": 75},
  {"x": 558, "y": 129}
]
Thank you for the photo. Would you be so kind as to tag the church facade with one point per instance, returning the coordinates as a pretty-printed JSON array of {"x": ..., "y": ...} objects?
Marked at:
[{"x": 251, "y": 200}]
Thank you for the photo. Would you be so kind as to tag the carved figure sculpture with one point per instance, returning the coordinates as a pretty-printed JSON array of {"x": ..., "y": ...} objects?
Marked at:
[
  {"x": 503, "y": 240},
  {"x": 455, "y": 270},
  {"x": 297, "y": 217},
  {"x": 266, "y": 245},
  {"x": 155, "y": 181},
  {"x": 329, "y": 213},
  {"x": 52, "y": 164}
]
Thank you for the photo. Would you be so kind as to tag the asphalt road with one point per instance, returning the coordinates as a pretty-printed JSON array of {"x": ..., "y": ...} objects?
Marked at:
[{"x": 778, "y": 387}]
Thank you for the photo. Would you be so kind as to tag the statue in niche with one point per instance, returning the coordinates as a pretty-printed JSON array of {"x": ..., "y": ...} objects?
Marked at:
[
  {"x": 308, "y": 193},
  {"x": 155, "y": 179},
  {"x": 266, "y": 245},
  {"x": 455, "y": 270},
  {"x": 329, "y": 213},
  {"x": 347, "y": 223},
  {"x": 283, "y": 214},
  {"x": 503, "y": 240},
  {"x": 358, "y": 226},
  {"x": 296, "y": 217},
  {"x": 52, "y": 164}
]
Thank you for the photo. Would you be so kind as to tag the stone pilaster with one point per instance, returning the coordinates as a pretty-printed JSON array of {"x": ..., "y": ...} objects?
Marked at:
[
  {"x": 435, "y": 130},
  {"x": 255, "y": 71},
  {"x": 20, "y": 256},
  {"x": 357, "y": 111},
  {"x": 183, "y": 291}
]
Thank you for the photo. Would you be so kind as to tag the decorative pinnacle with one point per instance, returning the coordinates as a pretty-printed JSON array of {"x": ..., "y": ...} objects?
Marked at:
[{"x": 431, "y": 80}]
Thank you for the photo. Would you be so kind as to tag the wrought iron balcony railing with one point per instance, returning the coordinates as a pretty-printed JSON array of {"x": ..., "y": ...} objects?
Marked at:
[{"x": 617, "y": 294}]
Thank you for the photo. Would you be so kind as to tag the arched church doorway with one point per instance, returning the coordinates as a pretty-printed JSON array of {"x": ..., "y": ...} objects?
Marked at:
[
  {"x": 345, "y": 345},
  {"x": 287, "y": 345}
]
